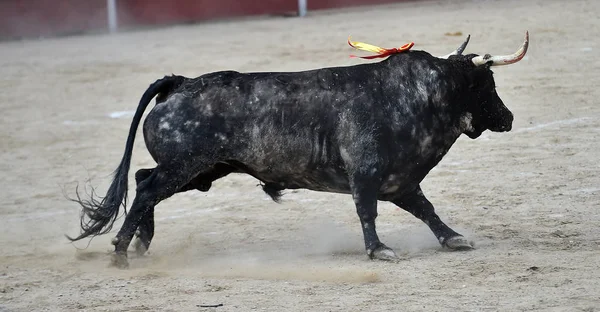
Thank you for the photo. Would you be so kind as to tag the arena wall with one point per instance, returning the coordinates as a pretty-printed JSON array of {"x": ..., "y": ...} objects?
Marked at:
[{"x": 42, "y": 18}]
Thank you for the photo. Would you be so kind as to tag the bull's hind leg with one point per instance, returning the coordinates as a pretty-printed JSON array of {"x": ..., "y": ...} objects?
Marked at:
[
  {"x": 416, "y": 203},
  {"x": 161, "y": 184},
  {"x": 201, "y": 182},
  {"x": 364, "y": 193},
  {"x": 145, "y": 231}
]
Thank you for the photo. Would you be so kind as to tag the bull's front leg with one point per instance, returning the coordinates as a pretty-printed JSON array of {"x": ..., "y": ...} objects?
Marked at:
[
  {"x": 364, "y": 193},
  {"x": 417, "y": 204}
]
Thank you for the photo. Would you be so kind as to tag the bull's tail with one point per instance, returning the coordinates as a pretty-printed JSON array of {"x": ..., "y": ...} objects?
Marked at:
[{"x": 99, "y": 214}]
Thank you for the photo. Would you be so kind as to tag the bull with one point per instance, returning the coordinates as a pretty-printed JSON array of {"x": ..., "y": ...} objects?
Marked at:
[{"x": 372, "y": 130}]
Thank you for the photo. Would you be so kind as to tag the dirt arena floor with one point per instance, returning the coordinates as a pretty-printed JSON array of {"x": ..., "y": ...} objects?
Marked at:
[{"x": 528, "y": 198}]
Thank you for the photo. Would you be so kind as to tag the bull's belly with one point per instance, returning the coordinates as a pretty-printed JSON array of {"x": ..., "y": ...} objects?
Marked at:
[
  {"x": 391, "y": 186},
  {"x": 320, "y": 186},
  {"x": 327, "y": 180},
  {"x": 389, "y": 189}
]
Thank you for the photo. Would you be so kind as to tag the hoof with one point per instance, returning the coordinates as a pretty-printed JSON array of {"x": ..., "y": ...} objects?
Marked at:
[
  {"x": 458, "y": 243},
  {"x": 119, "y": 261},
  {"x": 384, "y": 253},
  {"x": 140, "y": 247}
]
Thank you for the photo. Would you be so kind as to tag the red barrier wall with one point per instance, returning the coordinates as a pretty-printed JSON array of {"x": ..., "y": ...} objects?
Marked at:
[
  {"x": 144, "y": 12},
  {"x": 35, "y": 18}
]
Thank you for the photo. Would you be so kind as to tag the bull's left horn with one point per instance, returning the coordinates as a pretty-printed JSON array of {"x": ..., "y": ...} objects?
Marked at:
[
  {"x": 458, "y": 51},
  {"x": 503, "y": 59}
]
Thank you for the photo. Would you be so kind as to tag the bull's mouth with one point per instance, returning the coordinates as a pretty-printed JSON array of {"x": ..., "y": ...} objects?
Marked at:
[
  {"x": 501, "y": 128},
  {"x": 473, "y": 134}
]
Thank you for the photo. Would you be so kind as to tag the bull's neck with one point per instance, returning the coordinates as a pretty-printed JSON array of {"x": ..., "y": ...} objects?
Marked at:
[{"x": 442, "y": 118}]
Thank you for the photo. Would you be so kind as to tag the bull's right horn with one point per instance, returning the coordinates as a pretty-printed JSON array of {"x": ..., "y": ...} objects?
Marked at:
[
  {"x": 458, "y": 51},
  {"x": 503, "y": 59}
]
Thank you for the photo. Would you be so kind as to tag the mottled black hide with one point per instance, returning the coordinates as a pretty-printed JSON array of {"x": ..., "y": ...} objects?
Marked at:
[{"x": 372, "y": 130}]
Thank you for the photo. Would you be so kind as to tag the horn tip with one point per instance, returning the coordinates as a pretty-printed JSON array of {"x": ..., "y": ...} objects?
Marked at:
[{"x": 526, "y": 43}]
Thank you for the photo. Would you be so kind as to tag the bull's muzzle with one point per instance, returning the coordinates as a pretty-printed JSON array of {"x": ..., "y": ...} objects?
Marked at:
[{"x": 506, "y": 124}]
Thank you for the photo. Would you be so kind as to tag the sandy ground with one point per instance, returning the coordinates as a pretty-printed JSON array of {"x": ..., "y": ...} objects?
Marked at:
[{"x": 528, "y": 198}]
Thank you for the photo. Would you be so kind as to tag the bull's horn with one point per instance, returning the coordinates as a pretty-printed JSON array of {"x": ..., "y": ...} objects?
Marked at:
[
  {"x": 503, "y": 59},
  {"x": 458, "y": 51}
]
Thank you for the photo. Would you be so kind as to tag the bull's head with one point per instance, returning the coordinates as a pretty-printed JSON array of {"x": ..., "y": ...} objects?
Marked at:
[{"x": 487, "y": 111}]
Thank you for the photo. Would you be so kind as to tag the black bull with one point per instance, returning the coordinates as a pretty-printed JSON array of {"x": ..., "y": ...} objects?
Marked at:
[{"x": 372, "y": 130}]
